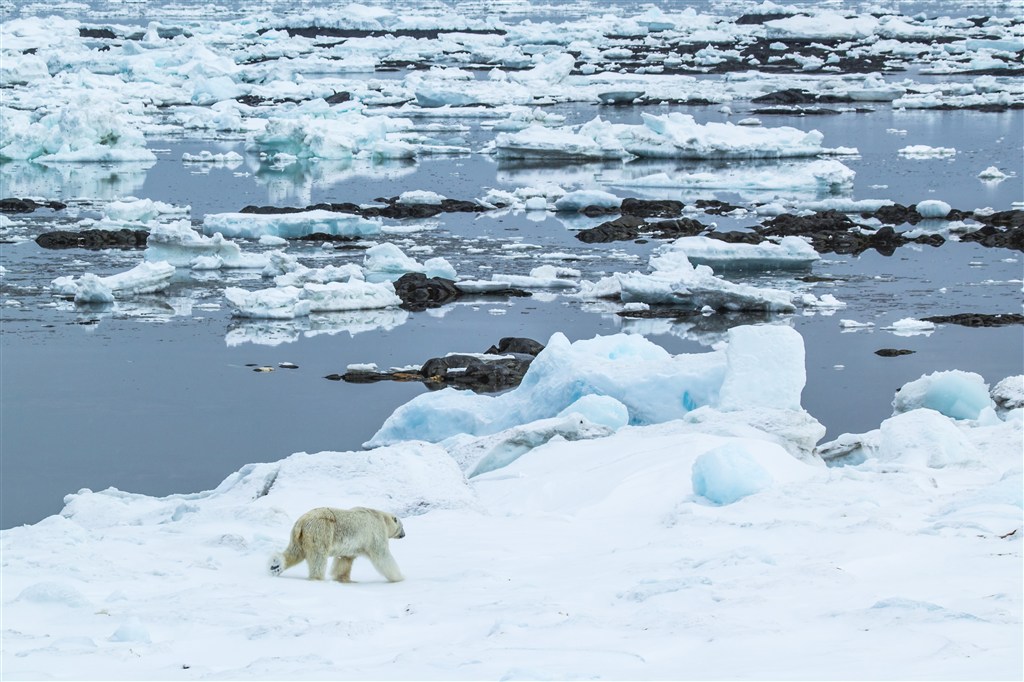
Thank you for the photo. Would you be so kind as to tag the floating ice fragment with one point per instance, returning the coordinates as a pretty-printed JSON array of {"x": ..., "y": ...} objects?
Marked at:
[
  {"x": 909, "y": 326},
  {"x": 922, "y": 151},
  {"x": 289, "y": 225}
]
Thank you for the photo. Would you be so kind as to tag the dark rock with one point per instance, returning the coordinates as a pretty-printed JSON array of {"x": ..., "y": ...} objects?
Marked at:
[
  {"x": 897, "y": 214},
  {"x": 789, "y": 96},
  {"x": 1012, "y": 238},
  {"x": 481, "y": 374},
  {"x": 755, "y": 18},
  {"x": 737, "y": 237},
  {"x": 795, "y": 111},
  {"x": 715, "y": 207},
  {"x": 13, "y": 205},
  {"x": 671, "y": 229},
  {"x": 654, "y": 208},
  {"x": 623, "y": 228},
  {"x": 326, "y": 237},
  {"x": 338, "y": 98},
  {"x": 978, "y": 319},
  {"x": 390, "y": 209},
  {"x": 516, "y": 344},
  {"x": 94, "y": 239},
  {"x": 893, "y": 352},
  {"x": 823, "y": 221},
  {"x": 594, "y": 211},
  {"x": 104, "y": 33},
  {"x": 1003, "y": 219},
  {"x": 419, "y": 292}
]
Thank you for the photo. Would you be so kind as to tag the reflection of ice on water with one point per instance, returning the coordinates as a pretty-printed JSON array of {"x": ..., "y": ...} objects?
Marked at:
[
  {"x": 277, "y": 332},
  {"x": 107, "y": 181},
  {"x": 293, "y": 183}
]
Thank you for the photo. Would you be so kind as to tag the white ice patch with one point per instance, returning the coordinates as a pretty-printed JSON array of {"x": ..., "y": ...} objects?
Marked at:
[
  {"x": 789, "y": 252},
  {"x": 180, "y": 245},
  {"x": 144, "y": 278}
]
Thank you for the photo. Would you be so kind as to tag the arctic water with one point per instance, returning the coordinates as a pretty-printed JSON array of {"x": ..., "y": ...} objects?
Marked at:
[{"x": 158, "y": 394}]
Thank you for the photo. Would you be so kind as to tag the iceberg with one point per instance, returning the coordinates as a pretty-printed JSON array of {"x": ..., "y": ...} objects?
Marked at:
[{"x": 653, "y": 385}]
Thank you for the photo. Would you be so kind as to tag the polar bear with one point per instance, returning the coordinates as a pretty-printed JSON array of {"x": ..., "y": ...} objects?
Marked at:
[{"x": 343, "y": 534}]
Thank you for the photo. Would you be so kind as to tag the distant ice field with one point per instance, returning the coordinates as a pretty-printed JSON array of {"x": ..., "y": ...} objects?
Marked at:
[{"x": 156, "y": 393}]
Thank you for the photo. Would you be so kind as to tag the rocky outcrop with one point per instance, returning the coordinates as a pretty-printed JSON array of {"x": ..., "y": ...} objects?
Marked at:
[
  {"x": 419, "y": 292},
  {"x": 391, "y": 208},
  {"x": 499, "y": 368},
  {"x": 15, "y": 205},
  {"x": 94, "y": 239},
  {"x": 977, "y": 319}
]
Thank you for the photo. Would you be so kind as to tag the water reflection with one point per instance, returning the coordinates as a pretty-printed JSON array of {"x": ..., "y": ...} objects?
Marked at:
[
  {"x": 291, "y": 181},
  {"x": 277, "y": 332},
  {"x": 106, "y": 181}
]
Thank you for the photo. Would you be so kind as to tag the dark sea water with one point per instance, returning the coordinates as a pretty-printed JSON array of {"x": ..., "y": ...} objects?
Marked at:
[{"x": 158, "y": 395}]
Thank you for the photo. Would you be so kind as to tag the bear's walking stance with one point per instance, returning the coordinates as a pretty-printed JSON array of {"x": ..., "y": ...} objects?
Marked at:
[{"x": 343, "y": 534}]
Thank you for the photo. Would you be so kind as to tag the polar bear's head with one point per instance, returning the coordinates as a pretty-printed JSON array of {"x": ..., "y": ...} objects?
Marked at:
[{"x": 395, "y": 529}]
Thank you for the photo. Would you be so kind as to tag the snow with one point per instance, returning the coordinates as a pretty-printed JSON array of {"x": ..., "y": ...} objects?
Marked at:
[
  {"x": 626, "y": 513},
  {"x": 788, "y": 556}
]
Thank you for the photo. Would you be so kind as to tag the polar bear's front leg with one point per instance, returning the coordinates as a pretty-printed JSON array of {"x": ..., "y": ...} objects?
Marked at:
[{"x": 386, "y": 566}]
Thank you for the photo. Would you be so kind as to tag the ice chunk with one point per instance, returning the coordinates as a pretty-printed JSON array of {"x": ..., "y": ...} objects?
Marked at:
[
  {"x": 790, "y": 252},
  {"x": 178, "y": 244},
  {"x": 923, "y": 151},
  {"x": 752, "y": 382},
  {"x": 144, "y": 278},
  {"x": 142, "y": 210},
  {"x": 574, "y": 201},
  {"x": 289, "y": 225},
  {"x": 352, "y": 295},
  {"x": 676, "y": 281},
  {"x": 91, "y": 128},
  {"x": 418, "y": 197},
  {"x": 132, "y": 630},
  {"x": 933, "y": 208},
  {"x": 387, "y": 262},
  {"x": 727, "y": 474},
  {"x": 954, "y": 393},
  {"x": 280, "y": 303},
  {"x": 992, "y": 173}
]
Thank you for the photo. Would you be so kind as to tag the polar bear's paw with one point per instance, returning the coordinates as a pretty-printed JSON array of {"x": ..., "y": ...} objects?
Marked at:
[{"x": 276, "y": 564}]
